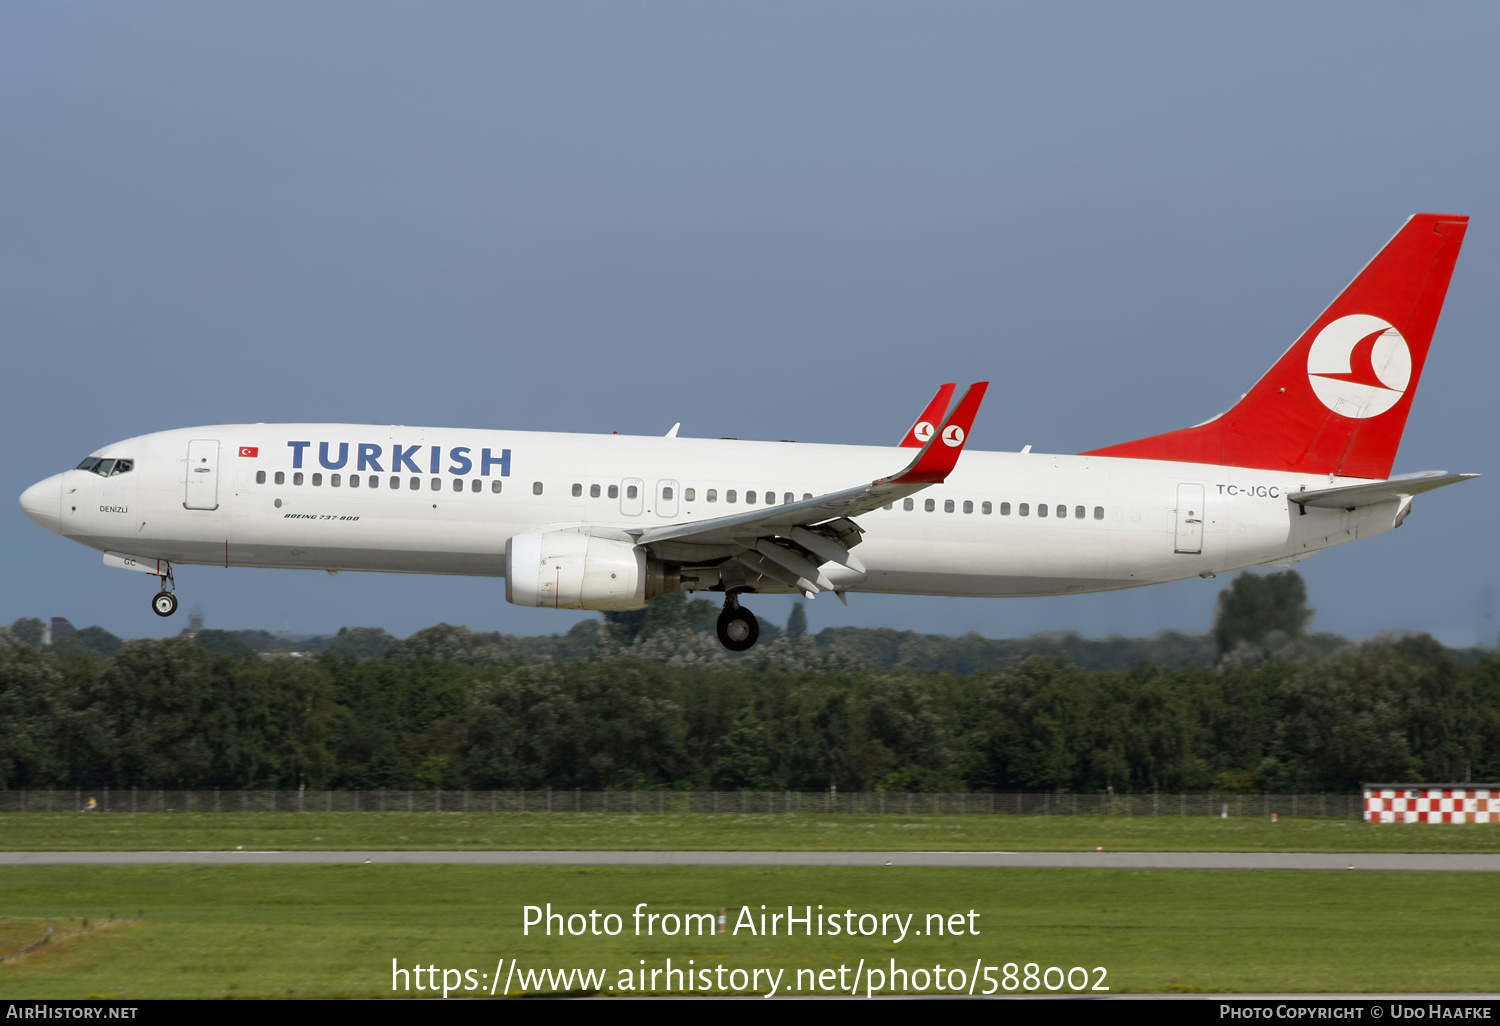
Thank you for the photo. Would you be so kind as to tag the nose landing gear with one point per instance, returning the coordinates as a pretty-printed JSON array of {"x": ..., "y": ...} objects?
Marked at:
[
  {"x": 738, "y": 629},
  {"x": 164, "y": 602}
]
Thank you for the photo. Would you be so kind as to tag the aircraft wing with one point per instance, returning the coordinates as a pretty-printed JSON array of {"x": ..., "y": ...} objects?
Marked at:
[
  {"x": 788, "y": 543},
  {"x": 1354, "y": 496}
]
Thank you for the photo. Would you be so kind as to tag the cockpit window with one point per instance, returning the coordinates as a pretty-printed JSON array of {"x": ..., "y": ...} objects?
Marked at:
[{"x": 104, "y": 468}]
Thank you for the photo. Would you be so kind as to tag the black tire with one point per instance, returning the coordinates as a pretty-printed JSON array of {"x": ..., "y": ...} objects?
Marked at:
[
  {"x": 738, "y": 629},
  {"x": 164, "y": 603}
]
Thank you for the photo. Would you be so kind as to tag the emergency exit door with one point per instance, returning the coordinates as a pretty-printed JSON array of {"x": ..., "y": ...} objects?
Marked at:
[
  {"x": 202, "y": 474},
  {"x": 632, "y": 496},
  {"x": 1190, "y": 518},
  {"x": 666, "y": 498}
]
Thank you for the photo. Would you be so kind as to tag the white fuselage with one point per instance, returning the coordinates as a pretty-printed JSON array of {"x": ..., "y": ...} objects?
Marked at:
[{"x": 1136, "y": 515}]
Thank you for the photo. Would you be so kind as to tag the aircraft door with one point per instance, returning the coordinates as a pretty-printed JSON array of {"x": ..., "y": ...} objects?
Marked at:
[
  {"x": 632, "y": 496},
  {"x": 202, "y": 474},
  {"x": 1190, "y": 518},
  {"x": 666, "y": 498}
]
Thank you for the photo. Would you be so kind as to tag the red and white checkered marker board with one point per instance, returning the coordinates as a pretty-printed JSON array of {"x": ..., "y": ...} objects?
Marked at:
[{"x": 1432, "y": 805}]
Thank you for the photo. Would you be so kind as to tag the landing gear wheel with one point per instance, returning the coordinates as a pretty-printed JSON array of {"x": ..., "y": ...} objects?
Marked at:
[
  {"x": 164, "y": 603},
  {"x": 738, "y": 629}
]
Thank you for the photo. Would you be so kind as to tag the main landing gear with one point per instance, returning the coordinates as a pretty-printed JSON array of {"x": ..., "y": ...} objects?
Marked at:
[
  {"x": 164, "y": 602},
  {"x": 738, "y": 628}
]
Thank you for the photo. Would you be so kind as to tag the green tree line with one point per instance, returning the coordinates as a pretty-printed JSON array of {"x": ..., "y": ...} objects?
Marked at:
[{"x": 648, "y": 700}]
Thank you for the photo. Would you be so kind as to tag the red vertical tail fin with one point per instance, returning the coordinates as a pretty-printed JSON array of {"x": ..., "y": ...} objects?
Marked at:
[{"x": 1337, "y": 400}]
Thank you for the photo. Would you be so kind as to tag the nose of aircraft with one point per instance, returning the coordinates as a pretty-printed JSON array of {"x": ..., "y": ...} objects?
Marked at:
[{"x": 42, "y": 502}]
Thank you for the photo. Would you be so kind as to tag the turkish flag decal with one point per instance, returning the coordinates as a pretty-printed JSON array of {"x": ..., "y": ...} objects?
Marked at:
[{"x": 249, "y": 450}]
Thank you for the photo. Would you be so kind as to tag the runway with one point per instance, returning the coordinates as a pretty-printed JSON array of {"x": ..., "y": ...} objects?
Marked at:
[{"x": 1368, "y": 862}]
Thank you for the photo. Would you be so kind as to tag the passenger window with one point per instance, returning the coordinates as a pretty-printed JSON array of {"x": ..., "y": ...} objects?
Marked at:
[
  {"x": 334, "y": 479},
  {"x": 374, "y": 481},
  {"x": 1079, "y": 512},
  {"x": 789, "y": 497},
  {"x": 968, "y": 506},
  {"x": 930, "y": 505},
  {"x": 1041, "y": 509},
  {"x": 297, "y": 478},
  {"x": 476, "y": 486},
  {"x": 688, "y": 494},
  {"x": 395, "y": 483},
  {"x": 908, "y": 505},
  {"x": 947, "y": 505},
  {"x": 280, "y": 477},
  {"x": 1004, "y": 508},
  {"x": 713, "y": 495},
  {"x": 416, "y": 484},
  {"x": 104, "y": 467},
  {"x": 1062, "y": 511},
  {"x": 1098, "y": 512},
  {"x": 318, "y": 480},
  {"x": 666, "y": 493},
  {"x": 536, "y": 488},
  {"x": 630, "y": 491},
  {"x": 437, "y": 484},
  {"x": 614, "y": 491},
  {"x": 807, "y": 495},
  {"x": 750, "y": 497},
  {"x": 889, "y": 505},
  {"x": 593, "y": 491},
  {"x": 123, "y": 467},
  {"x": 729, "y": 496},
  {"x": 458, "y": 484},
  {"x": 260, "y": 477},
  {"x": 1024, "y": 510},
  {"x": 353, "y": 480},
  {"x": 987, "y": 509},
  {"x": 495, "y": 486},
  {"x": 577, "y": 490}
]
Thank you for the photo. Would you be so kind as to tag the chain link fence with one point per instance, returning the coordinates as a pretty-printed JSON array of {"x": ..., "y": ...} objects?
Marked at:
[{"x": 902, "y": 803}]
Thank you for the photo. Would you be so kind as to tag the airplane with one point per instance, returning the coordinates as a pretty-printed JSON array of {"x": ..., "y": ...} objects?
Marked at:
[{"x": 606, "y": 522}]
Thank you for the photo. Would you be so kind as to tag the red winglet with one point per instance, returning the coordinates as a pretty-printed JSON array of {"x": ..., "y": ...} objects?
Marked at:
[
  {"x": 926, "y": 425},
  {"x": 940, "y": 455}
]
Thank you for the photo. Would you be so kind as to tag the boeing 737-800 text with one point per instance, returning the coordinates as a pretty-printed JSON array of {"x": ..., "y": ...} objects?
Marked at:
[{"x": 573, "y": 521}]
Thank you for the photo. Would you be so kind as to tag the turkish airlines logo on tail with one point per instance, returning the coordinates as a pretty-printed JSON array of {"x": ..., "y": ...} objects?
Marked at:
[
  {"x": 923, "y": 431},
  {"x": 953, "y": 435},
  {"x": 1359, "y": 366}
]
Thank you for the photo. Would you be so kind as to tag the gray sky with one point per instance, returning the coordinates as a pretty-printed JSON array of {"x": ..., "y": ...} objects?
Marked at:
[{"x": 599, "y": 217}]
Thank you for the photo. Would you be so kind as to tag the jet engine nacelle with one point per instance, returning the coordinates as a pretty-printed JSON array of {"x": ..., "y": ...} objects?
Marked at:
[{"x": 566, "y": 570}]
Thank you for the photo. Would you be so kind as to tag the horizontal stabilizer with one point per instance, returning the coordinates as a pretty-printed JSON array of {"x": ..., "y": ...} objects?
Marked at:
[{"x": 1376, "y": 492}]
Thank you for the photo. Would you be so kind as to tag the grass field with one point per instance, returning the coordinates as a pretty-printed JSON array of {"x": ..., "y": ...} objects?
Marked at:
[
  {"x": 329, "y": 931},
  {"x": 34, "y": 831}
]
